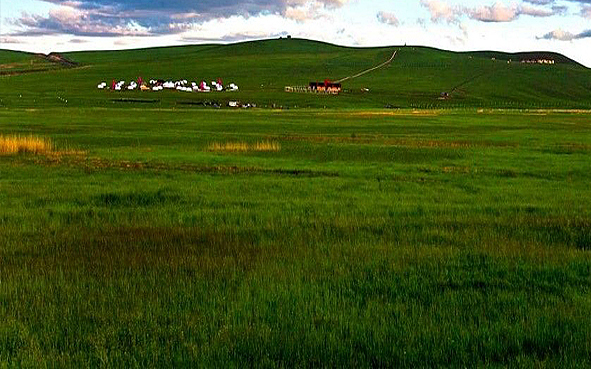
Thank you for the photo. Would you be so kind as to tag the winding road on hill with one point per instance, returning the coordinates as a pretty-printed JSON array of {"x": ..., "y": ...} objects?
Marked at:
[{"x": 369, "y": 70}]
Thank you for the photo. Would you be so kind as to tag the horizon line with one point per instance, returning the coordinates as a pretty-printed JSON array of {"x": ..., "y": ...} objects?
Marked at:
[{"x": 287, "y": 37}]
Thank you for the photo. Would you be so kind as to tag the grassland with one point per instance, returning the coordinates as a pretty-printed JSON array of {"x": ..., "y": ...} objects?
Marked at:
[
  {"x": 315, "y": 231},
  {"x": 370, "y": 238}
]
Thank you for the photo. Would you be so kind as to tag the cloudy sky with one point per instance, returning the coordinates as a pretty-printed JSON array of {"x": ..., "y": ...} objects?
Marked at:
[{"x": 506, "y": 25}]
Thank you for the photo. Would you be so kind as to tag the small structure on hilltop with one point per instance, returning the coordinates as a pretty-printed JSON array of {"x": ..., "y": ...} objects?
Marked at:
[{"x": 538, "y": 61}]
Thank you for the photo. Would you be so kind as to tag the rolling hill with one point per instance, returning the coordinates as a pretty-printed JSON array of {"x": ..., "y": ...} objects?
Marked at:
[{"x": 416, "y": 78}]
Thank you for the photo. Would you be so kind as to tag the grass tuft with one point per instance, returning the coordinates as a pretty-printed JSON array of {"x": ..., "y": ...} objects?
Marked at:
[
  {"x": 228, "y": 147},
  {"x": 13, "y": 144},
  {"x": 271, "y": 146},
  {"x": 263, "y": 146}
]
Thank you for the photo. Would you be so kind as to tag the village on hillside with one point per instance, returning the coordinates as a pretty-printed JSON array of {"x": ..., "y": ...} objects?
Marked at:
[{"x": 160, "y": 84}]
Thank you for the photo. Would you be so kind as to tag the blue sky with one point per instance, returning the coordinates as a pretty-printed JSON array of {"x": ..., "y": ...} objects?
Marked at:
[{"x": 507, "y": 25}]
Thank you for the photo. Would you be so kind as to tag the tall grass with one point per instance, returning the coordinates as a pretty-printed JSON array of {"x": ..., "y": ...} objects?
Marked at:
[
  {"x": 228, "y": 147},
  {"x": 267, "y": 146},
  {"x": 14, "y": 144},
  {"x": 409, "y": 252},
  {"x": 262, "y": 146}
]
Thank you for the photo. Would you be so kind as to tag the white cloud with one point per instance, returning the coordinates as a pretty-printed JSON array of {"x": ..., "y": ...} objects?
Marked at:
[
  {"x": 561, "y": 35},
  {"x": 442, "y": 11},
  {"x": 142, "y": 18},
  {"x": 388, "y": 18},
  {"x": 10, "y": 40},
  {"x": 494, "y": 13},
  {"x": 497, "y": 12}
]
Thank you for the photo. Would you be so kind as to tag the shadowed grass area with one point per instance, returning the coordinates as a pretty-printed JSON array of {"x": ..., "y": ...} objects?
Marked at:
[
  {"x": 136, "y": 199},
  {"x": 161, "y": 296}
]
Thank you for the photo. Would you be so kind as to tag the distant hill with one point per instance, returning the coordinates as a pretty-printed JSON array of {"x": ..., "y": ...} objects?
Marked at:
[
  {"x": 533, "y": 55},
  {"x": 418, "y": 77},
  {"x": 16, "y": 63},
  {"x": 9, "y": 56}
]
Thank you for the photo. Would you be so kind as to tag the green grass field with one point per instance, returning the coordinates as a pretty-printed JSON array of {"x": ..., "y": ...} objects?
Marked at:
[{"x": 372, "y": 238}]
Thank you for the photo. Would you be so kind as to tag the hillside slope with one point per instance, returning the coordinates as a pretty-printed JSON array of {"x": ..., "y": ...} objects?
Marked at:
[
  {"x": 16, "y": 63},
  {"x": 416, "y": 78}
]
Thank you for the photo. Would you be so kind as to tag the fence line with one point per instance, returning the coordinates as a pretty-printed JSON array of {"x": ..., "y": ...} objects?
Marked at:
[{"x": 306, "y": 89}]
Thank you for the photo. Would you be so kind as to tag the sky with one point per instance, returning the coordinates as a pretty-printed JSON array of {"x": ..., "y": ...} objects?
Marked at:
[{"x": 505, "y": 25}]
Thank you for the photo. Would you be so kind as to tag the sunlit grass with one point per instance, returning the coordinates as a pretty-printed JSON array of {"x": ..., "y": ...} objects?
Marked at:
[
  {"x": 267, "y": 146},
  {"x": 14, "y": 144},
  {"x": 228, "y": 147},
  {"x": 263, "y": 146}
]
